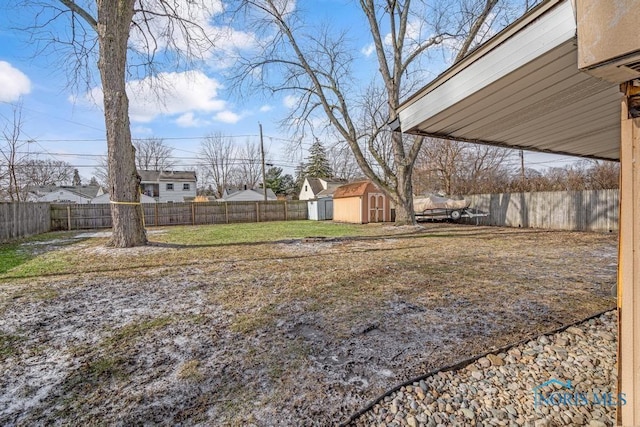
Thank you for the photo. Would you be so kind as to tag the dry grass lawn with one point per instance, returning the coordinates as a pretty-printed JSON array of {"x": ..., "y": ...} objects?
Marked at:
[{"x": 295, "y": 332}]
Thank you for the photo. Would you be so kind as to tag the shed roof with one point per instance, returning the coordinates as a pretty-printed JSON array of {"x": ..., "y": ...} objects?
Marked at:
[
  {"x": 523, "y": 89},
  {"x": 353, "y": 189}
]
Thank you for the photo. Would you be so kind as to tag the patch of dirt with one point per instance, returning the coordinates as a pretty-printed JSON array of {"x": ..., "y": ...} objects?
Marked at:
[{"x": 289, "y": 333}]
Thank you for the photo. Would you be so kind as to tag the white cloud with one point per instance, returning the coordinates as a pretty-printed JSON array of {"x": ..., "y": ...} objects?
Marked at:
[
  {"x": 13, "y": 83},
  {"x": 266, "y": 108},
  {"x": 368, "y": 50},
  {"x": 141, "y": 131},
  {"x": 227, "y": 117},
  {"x": 189, "y": 120},
  {"x": 290, "y": 101},
  {"x": 168, "y": 94}
]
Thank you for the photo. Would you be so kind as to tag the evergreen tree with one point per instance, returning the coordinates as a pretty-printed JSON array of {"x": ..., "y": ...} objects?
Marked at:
[
  {"x": 280, "y": 184},
  {"x": 317, "y": 165},
  {"x": 76, "y": 181},
  {"x": 288, "y": 186},
  {"x": 273, "y": 179}
]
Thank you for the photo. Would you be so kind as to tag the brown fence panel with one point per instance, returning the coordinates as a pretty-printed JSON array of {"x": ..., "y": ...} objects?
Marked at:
[
  {"x": 78, "y": 217},
  {"x": 210, "y": 213},
  {"x": 18, "y": 220},
  {"x": 238, "y": 212},
  {"x": 297, "y": 210}
]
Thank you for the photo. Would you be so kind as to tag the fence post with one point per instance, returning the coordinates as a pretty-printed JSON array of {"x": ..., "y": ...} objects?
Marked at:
[
  {"x": 257, "y": 211},
  {"x": 155, "y": 206},
  {"x": 286, "y": 211},
  {"x": 226, "y": 212},
  {"x": 193, "y": 213},
  {"x": 69, "y": 217}
]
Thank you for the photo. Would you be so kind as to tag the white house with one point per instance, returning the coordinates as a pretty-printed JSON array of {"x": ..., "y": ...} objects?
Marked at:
[
  {"x": 80, "y": 194},
  {"x": 168, "y": 186},
  {"x": 313, "y": 188}
]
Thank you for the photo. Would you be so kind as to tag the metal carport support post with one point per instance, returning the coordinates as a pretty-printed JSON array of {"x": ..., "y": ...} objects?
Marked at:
[{"x": 628, "y": 414}]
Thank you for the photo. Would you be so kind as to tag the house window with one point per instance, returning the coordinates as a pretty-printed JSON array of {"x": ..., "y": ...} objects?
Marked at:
[
  {"x": 306, "y": 188},
  {"x": 186, "y": 186},
  {"x": 169, "y": 187}
]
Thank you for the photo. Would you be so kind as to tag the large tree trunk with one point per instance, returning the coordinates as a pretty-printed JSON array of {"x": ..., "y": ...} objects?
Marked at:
[
  {"x": 405, "y": 214},
  {"x": 114, "y": 21}
]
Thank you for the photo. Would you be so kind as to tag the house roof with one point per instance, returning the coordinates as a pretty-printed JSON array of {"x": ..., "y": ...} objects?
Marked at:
[
  {"x": 315, "y": 184},
  {"x": 157, "y": 176},
  {"x": 522, "y": 89},
  {"x": 353, "y": 189},
  {"x": 330, "y": 190},
  {"x": 249, "y": 195},
  {"x": 106, "y": 198},
  {"x": 86, "y": 191}
]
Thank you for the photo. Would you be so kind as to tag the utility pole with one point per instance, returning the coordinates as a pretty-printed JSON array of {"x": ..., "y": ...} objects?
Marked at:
[
  {"x": 522, "y": 169},
  {"x": 264, "y": 178}
]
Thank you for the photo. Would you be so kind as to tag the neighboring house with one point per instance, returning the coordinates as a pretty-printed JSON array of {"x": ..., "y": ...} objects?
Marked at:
[
  {"x": 313, "y": 188},
  {"x": 79, "y": 194},
  {"x": 105, "y": 198},
  {"x": 250, "y": 195},
  {"x": 360, "y": 203},
  {"x": 168, "y": 186}
]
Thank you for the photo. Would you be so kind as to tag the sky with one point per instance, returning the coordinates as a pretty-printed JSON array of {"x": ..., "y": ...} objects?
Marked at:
[{"x": 66, "y": 123}]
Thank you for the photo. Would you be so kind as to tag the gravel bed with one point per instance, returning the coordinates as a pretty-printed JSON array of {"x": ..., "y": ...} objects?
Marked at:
[{"x": 567, "y": 378}]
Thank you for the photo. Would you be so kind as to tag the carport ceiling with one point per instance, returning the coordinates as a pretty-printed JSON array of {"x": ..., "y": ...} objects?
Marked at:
[{"x": 523, "y": 89}]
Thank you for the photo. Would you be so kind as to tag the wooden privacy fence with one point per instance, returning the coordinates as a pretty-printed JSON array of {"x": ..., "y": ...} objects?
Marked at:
[
  {"x": 19, "y": 220},
  {"x": 77, "y": 217},
  {"x": 589, "y": 210}
]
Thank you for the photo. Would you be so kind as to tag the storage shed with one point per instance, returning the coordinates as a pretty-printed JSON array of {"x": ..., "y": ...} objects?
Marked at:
[
  {"x": 360, "y": 203},
  {"x": 320, "y": 209}
]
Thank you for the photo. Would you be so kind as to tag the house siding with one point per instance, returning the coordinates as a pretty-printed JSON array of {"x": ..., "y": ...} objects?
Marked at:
[
  {"x": 348, "y": 210},
  {"x": 306, "y": 192},
  {"x": 176, "y": 195}
]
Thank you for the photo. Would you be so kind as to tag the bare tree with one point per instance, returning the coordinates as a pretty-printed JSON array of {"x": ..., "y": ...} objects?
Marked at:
[
  {"x": 101, "y": 172},
  {"x": 604, "y": 175},
  {"x": 153, "y": 154},
  {"x": 43, "y": 172},
  {"x": 102, "y": 29},
  {"x": 247, "y": 170},
  {"x": 459, "y": 168},
  {"x": 218, "y": 159},
  {"x": 342, "y": 162},
  {"x": 12, "y": 156},
  {"x": 317, "y": 66},
  {"x": 444, "y": 158}
]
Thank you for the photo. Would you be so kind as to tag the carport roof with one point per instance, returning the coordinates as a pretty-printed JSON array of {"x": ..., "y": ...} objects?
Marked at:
[{"x": 523, "y": 89}]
